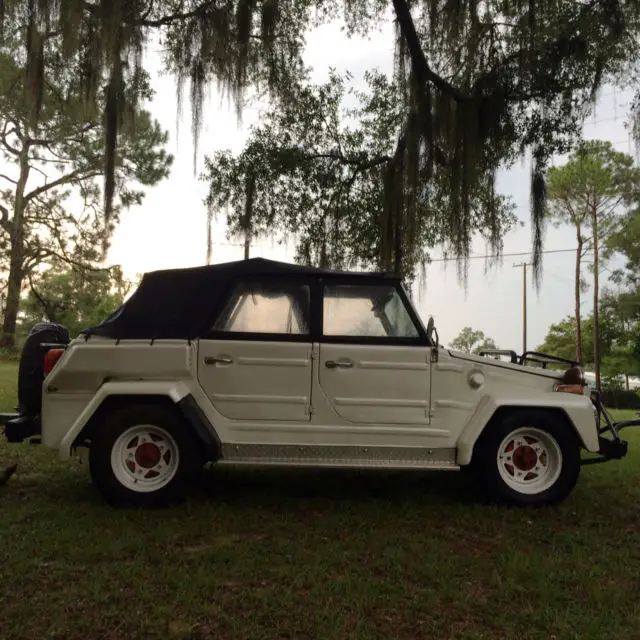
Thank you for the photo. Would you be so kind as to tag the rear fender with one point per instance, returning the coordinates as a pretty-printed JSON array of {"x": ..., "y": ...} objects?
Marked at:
[
  {"x": 176, "y": 392},
  {"x": 577, "y": 411}
]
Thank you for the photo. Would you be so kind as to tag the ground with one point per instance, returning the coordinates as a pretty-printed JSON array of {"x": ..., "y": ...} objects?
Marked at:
[{"x": 307, "y": 554}]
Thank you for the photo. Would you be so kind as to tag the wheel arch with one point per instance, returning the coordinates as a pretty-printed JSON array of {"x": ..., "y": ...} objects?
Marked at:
[
  {"x": 477, "y": 426},
  {"x": 186, "y": 408}
]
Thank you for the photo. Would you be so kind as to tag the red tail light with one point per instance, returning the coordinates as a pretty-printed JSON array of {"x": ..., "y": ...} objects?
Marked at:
[{"x": 51, "y": 357}]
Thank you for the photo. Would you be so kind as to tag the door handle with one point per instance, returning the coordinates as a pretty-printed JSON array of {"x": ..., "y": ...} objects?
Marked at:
[
  {"x": 220, "y": 360},
  {"x": 338, "y": 364}
]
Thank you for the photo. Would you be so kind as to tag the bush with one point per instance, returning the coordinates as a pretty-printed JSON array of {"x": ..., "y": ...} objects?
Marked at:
[
  {"x": 620, "y": 399},
  {"x": 9, "y": 355}
]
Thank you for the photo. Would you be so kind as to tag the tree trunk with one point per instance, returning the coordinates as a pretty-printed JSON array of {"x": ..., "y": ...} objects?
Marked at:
[
  {"x": 14, "y": 280},
  {"x": 578, "y": 320},
  {"x": 626, "y": 377},
  {"x": 596, "y": 332},
  {"x": 248, "y": 213}
]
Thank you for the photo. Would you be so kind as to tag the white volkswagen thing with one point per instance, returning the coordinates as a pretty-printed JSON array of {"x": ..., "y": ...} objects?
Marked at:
[{"x": 264, "y": 363}]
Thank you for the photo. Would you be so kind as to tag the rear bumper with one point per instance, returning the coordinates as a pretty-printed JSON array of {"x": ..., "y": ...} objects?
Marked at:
[
  {"x": 19, "y": 428},
  {"x": 612, "y": 446}
]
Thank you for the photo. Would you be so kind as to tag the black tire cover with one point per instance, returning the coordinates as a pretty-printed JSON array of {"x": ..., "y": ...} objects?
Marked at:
[{"x": 31, "y": 369}]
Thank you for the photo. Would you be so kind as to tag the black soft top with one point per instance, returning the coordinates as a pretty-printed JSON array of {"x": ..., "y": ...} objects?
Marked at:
[{"x": 182, "y": 303}]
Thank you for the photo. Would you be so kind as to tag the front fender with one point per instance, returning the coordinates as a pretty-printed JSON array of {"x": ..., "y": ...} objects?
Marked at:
[
  {"x": 579, "y": 411},
  {"x": 175, "y": 390}
]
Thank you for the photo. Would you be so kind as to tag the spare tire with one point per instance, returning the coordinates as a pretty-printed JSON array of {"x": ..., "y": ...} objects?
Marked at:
[{"x": 31, "y": 369}]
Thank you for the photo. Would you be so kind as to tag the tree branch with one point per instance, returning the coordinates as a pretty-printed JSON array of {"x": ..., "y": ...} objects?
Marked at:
[
  {"x": 3, "y": 138},
  {"x": 164, "y": 21},
  {"x": 8, "y": 179},
  {"x": 4, "y": 220},
  {"x": 74, "y": 176},
  {"x": 419, "y": 63}
]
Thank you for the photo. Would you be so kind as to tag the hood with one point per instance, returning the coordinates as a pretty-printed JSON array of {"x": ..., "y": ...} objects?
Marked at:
[{"x": 554, "y": 374}]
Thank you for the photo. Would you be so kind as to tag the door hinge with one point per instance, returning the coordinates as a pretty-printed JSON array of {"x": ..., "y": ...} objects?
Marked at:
[
  {"x": 310, "y": 410},
  {"x": 434, "y": 354}
]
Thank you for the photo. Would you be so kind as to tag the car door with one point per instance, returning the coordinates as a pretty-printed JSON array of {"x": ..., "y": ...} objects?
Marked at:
[
  {"x": 256, "y": 362},
  {"x": 374, "y": 360}
]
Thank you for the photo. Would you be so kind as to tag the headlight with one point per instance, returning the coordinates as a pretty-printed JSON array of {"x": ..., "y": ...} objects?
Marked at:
[{"x": 578, "y": 389}]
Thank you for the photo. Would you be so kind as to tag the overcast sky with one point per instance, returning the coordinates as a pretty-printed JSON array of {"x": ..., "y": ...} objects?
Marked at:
[{"x": 169, "y": 229}]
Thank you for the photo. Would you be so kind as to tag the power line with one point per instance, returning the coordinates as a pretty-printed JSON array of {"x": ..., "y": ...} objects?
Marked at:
[{"x": 506, "y": 255}]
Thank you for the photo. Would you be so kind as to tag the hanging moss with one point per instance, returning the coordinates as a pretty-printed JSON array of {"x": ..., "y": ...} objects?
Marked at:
[
  {"x": 233, "y": 44},
  {"x": 480, "y": 82}
]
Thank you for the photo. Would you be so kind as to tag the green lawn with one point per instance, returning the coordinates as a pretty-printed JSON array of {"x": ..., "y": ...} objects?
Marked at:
[{"x": 324, "y": 555}]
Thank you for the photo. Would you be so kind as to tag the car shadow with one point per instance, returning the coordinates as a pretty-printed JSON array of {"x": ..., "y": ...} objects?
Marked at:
[{"x": 257, "y": 486}]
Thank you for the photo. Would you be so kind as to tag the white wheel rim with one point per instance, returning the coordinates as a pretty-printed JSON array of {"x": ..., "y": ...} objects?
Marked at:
[
  {"x": 145, "y": 458},
  {"x": 529, "y": 460}
]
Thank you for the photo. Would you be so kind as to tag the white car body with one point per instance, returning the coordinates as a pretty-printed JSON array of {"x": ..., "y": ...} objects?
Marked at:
[{"x": 277, "y": 404}]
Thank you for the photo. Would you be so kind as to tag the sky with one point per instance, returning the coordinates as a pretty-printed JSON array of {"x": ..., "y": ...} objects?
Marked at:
[{"x": 169, "y": 229}]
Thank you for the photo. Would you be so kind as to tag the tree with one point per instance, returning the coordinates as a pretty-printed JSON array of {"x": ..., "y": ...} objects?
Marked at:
[
  {"x": 317, "y": 171},
  {"x": 61, "y": 157},
  {"x": 482, "y": 83},
  {"x": 590, "y": 192},
  {"x": 625, "y": 241},
  {"x": 75, "y": 298},
  {"x": 472, "y": 341}
]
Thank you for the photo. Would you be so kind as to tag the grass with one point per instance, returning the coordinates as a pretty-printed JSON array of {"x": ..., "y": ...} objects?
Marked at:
[{"x": 309, "y": 554}]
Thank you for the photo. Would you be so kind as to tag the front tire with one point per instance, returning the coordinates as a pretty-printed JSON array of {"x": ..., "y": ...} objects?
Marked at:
[
  {"x": 142, "y": 456},
  {"x": 528, "y": 458}
]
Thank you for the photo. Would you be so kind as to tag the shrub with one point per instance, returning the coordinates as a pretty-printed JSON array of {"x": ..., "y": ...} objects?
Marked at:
[{"x": 620, "y": 399}]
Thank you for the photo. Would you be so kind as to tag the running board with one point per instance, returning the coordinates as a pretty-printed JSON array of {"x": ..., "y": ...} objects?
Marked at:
[{"x": 339, "y": 456}]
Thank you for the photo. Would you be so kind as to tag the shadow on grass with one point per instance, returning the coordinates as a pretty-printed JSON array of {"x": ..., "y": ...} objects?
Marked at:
[{"x": 253, "y": 486}]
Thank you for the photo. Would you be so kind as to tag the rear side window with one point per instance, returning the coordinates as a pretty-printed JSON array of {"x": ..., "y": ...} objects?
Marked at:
[{"x": 275, "y": 308}]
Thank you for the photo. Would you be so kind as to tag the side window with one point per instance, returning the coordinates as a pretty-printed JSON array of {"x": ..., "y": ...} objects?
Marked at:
[
  {"x": 266, "y": 308},
  {"x": 366, "y": 311}
]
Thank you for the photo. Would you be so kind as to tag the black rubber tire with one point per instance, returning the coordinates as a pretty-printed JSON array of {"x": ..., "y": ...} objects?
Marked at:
[
  {"x": 115, "y": 424},
  {"x": 484, "y": 467},
  {"x": 31, "y": 368}
]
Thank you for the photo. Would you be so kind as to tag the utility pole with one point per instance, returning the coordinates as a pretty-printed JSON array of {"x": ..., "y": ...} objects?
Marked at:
[{"x": 524, "y": 266}]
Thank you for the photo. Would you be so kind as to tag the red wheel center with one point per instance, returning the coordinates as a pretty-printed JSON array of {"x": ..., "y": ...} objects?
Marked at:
[
  {"x": 525, "y": 458},
  {"x": 148, "y": 455}
]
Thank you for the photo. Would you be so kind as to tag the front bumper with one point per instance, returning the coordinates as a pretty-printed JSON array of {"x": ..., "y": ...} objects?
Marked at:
[
  {"x": 612, "y": 446},
  {"x": 18, "y": 428}
]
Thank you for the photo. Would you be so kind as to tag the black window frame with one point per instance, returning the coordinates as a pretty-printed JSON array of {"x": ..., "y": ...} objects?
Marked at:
[{"x": 420, "y": 340}]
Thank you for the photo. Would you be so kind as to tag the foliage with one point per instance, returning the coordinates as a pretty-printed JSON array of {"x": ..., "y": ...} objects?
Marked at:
[
  {"x": 619, "y": 340},
  {"x": 74, "y": 298},
  {"x": 482, "y": 83},
  {"x": 233, "y": 43},
  {"x": 596, "y": 180},
  {"x": 316, "y": 169},
  {"x": 625, "y": 241},
  {"x": 472, "y": 341},
  {"x": 620, "y": 399},
  {"x": 50, "y": 192}
]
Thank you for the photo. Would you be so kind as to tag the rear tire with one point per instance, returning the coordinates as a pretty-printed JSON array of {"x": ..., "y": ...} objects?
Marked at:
[
  {"x": 143, "y": 456},
  {"x": 31, "y": 368},
  {"x": 528, "y": 458}
]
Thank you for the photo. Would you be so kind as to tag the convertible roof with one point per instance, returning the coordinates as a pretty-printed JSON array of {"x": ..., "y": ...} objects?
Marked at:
[{"x": 180, "y": 303}]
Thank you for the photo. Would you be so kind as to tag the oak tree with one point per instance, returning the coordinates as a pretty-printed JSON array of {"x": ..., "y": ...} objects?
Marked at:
[
  {"x": 317, "y": 170},
  {"x": 482, "y": 83},
  {"x": 472, "y": 341}
]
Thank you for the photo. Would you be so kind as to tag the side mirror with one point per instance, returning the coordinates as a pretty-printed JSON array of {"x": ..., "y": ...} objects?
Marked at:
[{"x": 431, "y": 329}]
